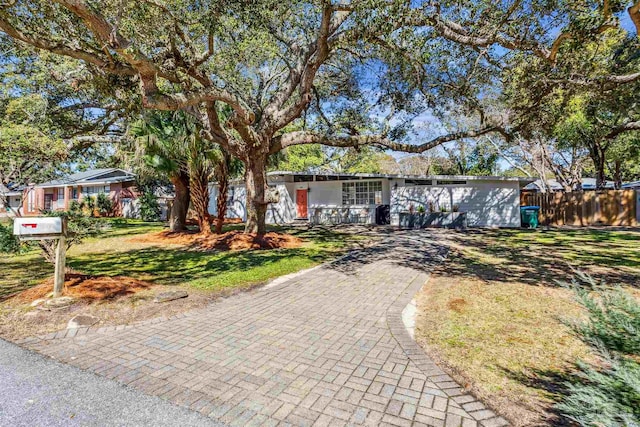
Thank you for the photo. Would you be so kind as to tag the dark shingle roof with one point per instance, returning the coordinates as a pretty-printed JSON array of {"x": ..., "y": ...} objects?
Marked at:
[
  {"x": 108, "y": 174},
  {"x": 13, "y": 191}
]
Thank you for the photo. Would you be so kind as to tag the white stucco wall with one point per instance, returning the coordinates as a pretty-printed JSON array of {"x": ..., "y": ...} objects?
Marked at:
[
  {"x": 282, "y": 212},
  {"x": 326, "y": 195},
  {"x": 487, "y": 203},
  {"x": 323, "y": 195},
  {"x": 235, "y": 205}
]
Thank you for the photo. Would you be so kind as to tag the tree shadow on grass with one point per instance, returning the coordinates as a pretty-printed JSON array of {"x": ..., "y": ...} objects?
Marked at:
[
  {"x": 172, "y": 266},
  {"x": 543, "y": 258},
  {"x": 13, "y": 278},
  {"x": 553, "y": 383}
]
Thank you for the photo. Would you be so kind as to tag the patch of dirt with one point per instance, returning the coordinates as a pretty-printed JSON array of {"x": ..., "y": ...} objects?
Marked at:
[
  {"x": 86, "y": 287},
  {"x": 457, "y": 304},
  {"x": 19, "y": 320},
  {"x": 232, "y": 240}
]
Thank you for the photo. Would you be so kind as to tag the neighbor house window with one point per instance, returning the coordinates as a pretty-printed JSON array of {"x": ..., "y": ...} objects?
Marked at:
[
  {"x": 95, "y": 190},
  {"x": 362, "y": 193},
  {"x": 31, "y": 201},
  {"x": 48, "y": 202},
  {"x": 60, "y": 198}
]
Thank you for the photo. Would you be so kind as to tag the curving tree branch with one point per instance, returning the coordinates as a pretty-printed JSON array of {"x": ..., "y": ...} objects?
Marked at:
[
  {"x": 304, "y": 137},
  {"x": 626, "y": 127}
]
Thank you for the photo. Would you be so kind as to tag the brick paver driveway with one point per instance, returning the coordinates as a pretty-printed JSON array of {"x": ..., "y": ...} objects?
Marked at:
[{"x": 325, "y": 348}]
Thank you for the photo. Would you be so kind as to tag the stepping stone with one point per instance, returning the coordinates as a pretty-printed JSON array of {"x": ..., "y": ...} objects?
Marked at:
[
  {"x": 38, "y": 302},
  {"x": 170, "y": 296},
  {"x": 82, "y": 321},
  {"x": 60, "y": 302}
]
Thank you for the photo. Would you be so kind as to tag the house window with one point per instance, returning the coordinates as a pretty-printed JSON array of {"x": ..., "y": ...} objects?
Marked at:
[
  {"x": 60, "y": 198},
  {"x": 31, "y": 201},
  {"x": 48, "y": 202},
  {"x": 95, "y": 190},
  {"x": 362, "y": 193}
]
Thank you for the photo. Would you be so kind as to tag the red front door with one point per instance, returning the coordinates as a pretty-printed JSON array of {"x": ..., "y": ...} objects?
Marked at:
[{"x": 301, "y": 203}]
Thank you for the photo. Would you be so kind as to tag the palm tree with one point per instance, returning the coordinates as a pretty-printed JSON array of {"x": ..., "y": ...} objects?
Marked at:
[{"x": 171, "y": 142}]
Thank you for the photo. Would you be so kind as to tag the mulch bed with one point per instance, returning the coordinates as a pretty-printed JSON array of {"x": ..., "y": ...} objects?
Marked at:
[
  {"x": 232, "y": 240},
  {"x": 86, "y": 287},
  {"x": 214, "y": 221}
]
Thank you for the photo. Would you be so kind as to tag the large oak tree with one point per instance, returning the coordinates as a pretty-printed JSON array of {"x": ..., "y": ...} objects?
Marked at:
[{"x": 289, "y": 70}]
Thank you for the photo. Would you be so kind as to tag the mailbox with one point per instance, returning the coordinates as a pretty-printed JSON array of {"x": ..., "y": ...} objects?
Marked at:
[{"x": 36, "y": 228}]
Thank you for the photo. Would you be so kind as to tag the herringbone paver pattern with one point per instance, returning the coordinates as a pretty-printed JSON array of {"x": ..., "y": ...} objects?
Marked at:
[{"x": 325, "y": 348}]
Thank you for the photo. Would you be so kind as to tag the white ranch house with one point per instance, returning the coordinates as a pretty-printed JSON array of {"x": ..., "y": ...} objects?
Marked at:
[{"x": 488, "y": 201}]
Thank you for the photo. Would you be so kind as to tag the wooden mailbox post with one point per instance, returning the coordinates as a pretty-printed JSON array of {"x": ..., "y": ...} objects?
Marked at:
[{"x": 47, "y": 228}]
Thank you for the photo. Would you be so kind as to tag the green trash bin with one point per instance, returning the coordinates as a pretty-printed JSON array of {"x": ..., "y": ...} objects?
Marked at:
[{"x": 529, "y": 216}]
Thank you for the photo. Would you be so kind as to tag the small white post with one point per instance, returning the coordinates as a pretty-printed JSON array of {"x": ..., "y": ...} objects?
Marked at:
[{"x": 61, "y": 258}]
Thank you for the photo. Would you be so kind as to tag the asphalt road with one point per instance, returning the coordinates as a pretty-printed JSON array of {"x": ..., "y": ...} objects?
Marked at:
[{"x": 36, "y": 391}]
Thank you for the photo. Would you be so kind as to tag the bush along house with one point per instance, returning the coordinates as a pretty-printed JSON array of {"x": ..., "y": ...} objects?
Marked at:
[{"x": 58, "y": 195}]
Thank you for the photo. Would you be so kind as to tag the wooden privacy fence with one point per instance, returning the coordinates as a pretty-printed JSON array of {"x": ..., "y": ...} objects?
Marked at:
[{"x": 583, "y": 208}]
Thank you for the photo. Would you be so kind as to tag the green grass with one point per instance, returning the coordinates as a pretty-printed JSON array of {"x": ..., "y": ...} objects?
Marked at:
[
  {"x": 602, "y": 247},
  {"x": 113, "y": 254},
  {"x": 494, "y": 311},
  {"x": 537, "y": 256}
]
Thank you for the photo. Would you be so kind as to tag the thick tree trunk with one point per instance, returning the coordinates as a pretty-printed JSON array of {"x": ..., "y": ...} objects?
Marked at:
[
  {"x": 180, "y": 206},
  {"x": 617, "y": 175},
  {"x": 600, "y": 174},
  {"x": 599, "y": 163},
  {"x": 199, "y": 183},
  {"x": 256, "y": 183},
  {"x": 222, "y": 176}
]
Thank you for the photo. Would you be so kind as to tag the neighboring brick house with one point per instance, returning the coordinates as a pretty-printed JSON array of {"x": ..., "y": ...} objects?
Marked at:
[
  {"x": 57, "y": 195},
  {"x": 13, "y": 198}
]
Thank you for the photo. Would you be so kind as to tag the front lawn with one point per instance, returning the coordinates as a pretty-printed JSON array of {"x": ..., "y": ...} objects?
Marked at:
[
  {"x": 493, "y": 312},
  {"x": 215, "y": 270},
  {"x": 206, "y": 275}
]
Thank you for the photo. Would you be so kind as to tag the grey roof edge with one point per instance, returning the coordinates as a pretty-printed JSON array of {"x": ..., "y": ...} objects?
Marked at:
[
  {"x": 86, "y": 178},
  {"x": 402, "y": 176},
  {"x": 520, "y": 180},
  {"x": 631, "y": 184},
  {"x": 6, "y": 191}
]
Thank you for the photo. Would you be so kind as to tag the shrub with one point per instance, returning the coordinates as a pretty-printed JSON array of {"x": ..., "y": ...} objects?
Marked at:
[
  {"x": 104, "y": 204},
  {"x": 76, "y": 207},
  {"x": 79, "y": 226},
  {"x": 608, "y": 394},
  {"x": 89, "y": 204},
  {"x": 149, "y": 207},
  {"x": 8, "y": 242}
]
